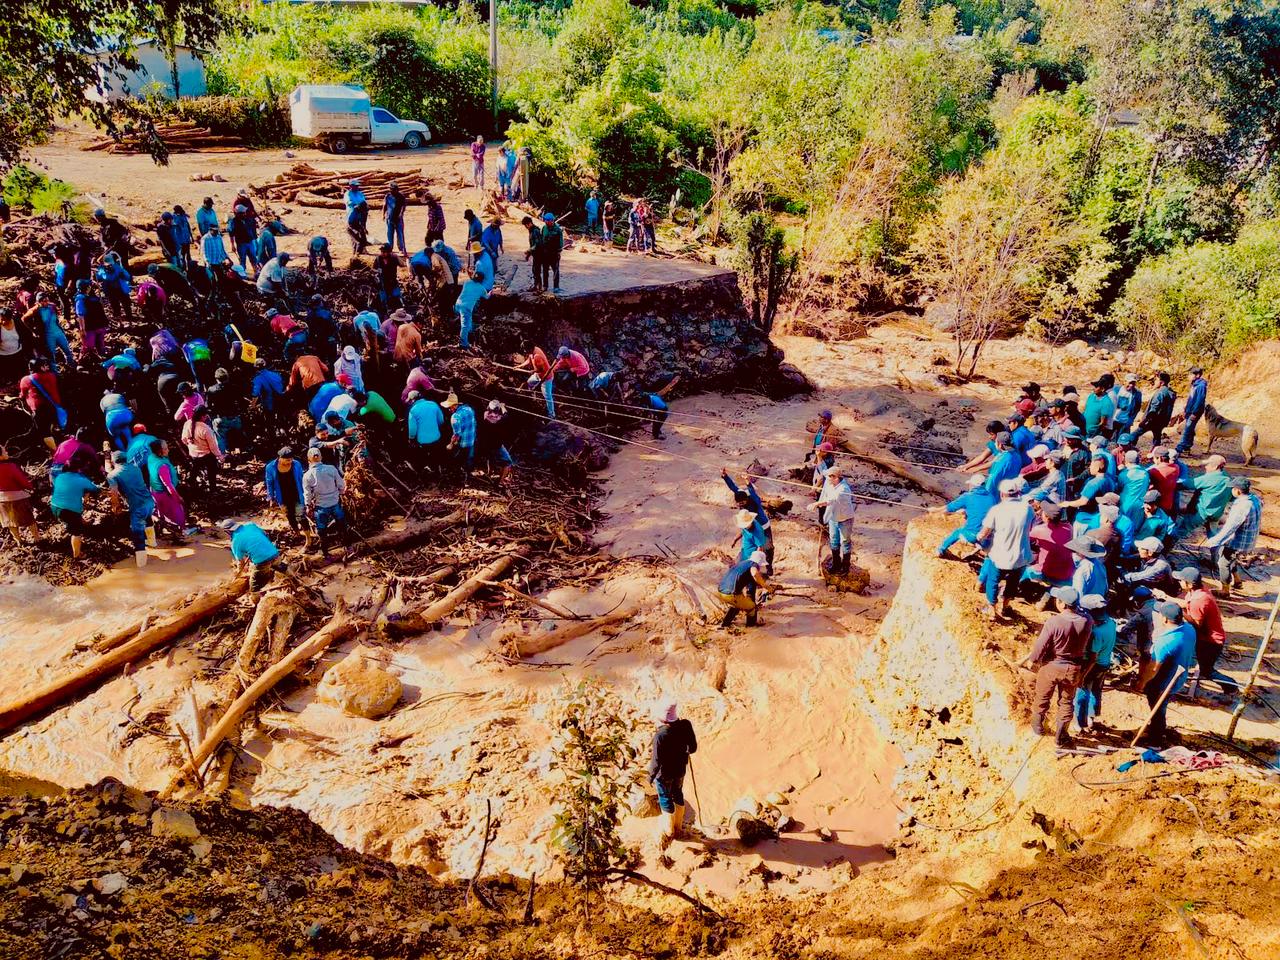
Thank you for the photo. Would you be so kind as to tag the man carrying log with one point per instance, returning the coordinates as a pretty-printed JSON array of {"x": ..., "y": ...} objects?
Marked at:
[{"x": 252, "y": 552}]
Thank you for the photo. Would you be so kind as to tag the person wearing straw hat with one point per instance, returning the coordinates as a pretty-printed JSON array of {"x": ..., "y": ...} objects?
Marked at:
[
  {"x": 673, "y": 742},
  {"x": 974, "y": 503},
  {"x": 740, "y": 589},
  {"x": 1007, "y": 527},
  {"x": 1090, "y": 575},
  {"x": 749, "y": 499},
  {"x": 1201, "y": 610},
  {"x": 1059, "y": 655},
  {"x": 1173, "y": 651},
  {"x": 462, "y": 421},
  {"x": 252, "y": 552},
  {"x": 750, "y": 535}
]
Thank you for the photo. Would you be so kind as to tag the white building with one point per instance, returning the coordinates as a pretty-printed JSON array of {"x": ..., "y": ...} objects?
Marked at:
[{"x": 153, "y": 74}]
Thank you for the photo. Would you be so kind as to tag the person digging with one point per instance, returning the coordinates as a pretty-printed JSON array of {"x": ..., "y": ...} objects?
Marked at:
[{"x": 673, "y": 742}]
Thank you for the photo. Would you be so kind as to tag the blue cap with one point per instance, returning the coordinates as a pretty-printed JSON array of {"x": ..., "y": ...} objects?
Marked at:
[{"x": 549, "y": 217}]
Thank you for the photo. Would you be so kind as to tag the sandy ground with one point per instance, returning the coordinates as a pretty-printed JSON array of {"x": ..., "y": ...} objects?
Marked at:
[
  {"x": 775, "y": 707},
  {"x": 137, "y": 190}
]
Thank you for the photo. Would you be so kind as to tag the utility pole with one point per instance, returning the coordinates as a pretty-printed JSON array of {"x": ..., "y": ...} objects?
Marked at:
[{"x": 493, "y": 57}]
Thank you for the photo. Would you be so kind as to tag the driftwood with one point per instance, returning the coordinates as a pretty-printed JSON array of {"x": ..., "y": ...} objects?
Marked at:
[
  {"x": 158, "y": 635},
  {"x": 207, "y": 604},
  {"x": 341, "y": 626},
  {"x": 273, "y": 618},
  {"x": 554, "y": 609},
  {"x": 540, "y": 641},
  {"x": 415, "y": 622},
  {"x": 915, "y": 477}
]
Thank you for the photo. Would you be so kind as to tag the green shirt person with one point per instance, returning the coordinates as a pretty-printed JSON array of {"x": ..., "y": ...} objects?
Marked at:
[{"x": 1214, "y": 488}]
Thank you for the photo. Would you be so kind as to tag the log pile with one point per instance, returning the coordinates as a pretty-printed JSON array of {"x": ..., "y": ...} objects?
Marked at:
[
  {"x": 182, "y": 137},
  {"x": 308, "y": 186}
]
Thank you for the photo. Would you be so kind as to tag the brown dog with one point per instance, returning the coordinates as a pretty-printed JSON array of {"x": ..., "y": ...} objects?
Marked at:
[{"x": 1219, "y": 427}]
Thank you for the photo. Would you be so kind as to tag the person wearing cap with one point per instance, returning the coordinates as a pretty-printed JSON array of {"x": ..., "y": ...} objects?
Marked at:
[
  {"x": 1037, "y": 464},
  {"x": 550, "y": 245},
  {"x": 1154, "y": 571},
  {"x": 749, "y": 499},
  {"x": 349, "y": 364},
  {"x": 491, "y": 238},
  {"x": 1155, "y": 522},
  {"x": 1054, "y": 563},
  {"x": 1021, "y": 438},
  {"x": 1164, "y": 475},
  {"x": 394, "y": 205},
  {"x": 1155, "y": 419},
  {"x": 426, "y": 425},
  {"x": 1007, "y": 464},
  {"x": 372, "y": 408},
  {"x": 117, "y": 283},
  {"x": 492, "y": 440},
  {"x": 1211, "y": 495},
  {"x": 1135, "y": 481},
  {"x": 1052, "y": 485},
  {"x": 571, "y": 367},
  {"x": 673, "y": 742},
  {"x": 462, "y": 421},
  {"x": 129, "y": 490},
  {"x": 252, "y": 552},
  {"x": 1102, "y": 645},
  {"x": 472, "y": 292},
  {"x": 974, "y": 502},
  {"x": 322, "y": 489},
  {"x": 357, "y": 209},
  {"x": 740, "y": 588},
  {"x": 1201, "y": 610},
  {"x": 207, "y": 218},
  {"x": 1098, "y": 448},
  {"x": 1128, "y": 403},
  {"x": 1173, "y": 651},
  {"x": 345, "y": 403},
  {"x": 353, "y": 196},
  {"x": 1238, "y": 534},
  {"x": 283, "y": 478},
  {"x": 213, "y": 249},
  {"x": 1059, "y": 655},
  {"x": 837, "y": 506},
  {"x": 318, "y": 252},
  {"x": 1193, "y": 409},
  {"x": 819, "y": 435},
  {"x": 450, "y": 256},
  {"x": 1078, "y": 458},
  {"x": 242, "y": 228},
  {"x": 1007, "y": 526},
  {"x": 1090, "y": 575},
  {"x": 69, "y": 488}
]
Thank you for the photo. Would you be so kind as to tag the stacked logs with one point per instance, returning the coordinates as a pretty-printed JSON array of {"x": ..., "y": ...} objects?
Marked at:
[
  {"x": 181, "y": 137},
  {"x": 307, "y": 186}
]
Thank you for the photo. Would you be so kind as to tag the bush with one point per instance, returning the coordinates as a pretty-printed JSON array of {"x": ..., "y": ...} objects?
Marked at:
[
  {"x": 24, "y": 187},
  {"x": 1209, "y": 299}
]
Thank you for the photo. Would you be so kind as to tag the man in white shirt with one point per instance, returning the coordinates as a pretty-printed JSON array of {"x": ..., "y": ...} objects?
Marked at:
[{"x": 1008, "y": 527}]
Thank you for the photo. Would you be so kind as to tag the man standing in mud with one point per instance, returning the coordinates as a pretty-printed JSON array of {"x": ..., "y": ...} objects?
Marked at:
[{"x": 673, "y": 742}]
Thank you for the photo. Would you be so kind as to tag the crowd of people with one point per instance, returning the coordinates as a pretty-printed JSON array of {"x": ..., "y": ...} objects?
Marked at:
[
  {"x": 1066, "y": 511},
  {"x": 217, "y": 357}
]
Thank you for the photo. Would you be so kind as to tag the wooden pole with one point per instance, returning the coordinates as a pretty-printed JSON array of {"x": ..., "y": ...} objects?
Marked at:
[
  {"x": 60, "y": 690},
  {"x": 1257, "y": 668},
  {"x": 1159, "y": 703},
  {"x": 418, "y": 621}
]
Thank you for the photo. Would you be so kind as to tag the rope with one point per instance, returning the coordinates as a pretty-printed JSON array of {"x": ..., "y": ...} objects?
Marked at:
[{"x": 702, "y": 463}]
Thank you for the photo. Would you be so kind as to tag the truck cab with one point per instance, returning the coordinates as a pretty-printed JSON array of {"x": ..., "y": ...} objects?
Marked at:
[{"x": 386, "y": 130}]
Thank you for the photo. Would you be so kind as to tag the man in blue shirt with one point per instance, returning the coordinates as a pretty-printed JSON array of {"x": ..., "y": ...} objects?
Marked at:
[
  {"x": 267, "y": 388},
  {"x": 750, "y": 500},
  {"x": 426, "y": 421},
  {"x": 128, "y": 487},
  {"x": 1159, "y": 411},
  {"x": 1098, "y": 410},
  {"x": 70, "y": 487},
  {"x": 207, "y": 218},
  {"x": 1173, "y": 651},
  {"x": 450, "y": 257},
  {"x": 740, "y": 588},
  {"x": 463, "y": 423},
  {"x": 491, "y": 238},
  {"x": 472, "y": 292},
  {"x": 252, "y": 552},
  {"x": 1193, "y": 409},
  {"x": 1128, "y": 401},
  {"x": 593, "y": 212},
  {"x": 1020, "y": 437},
  {"x": 975, "y": 503},
  {"x": 393, "y": 208},
  {"x": 1007, "y": 465}
]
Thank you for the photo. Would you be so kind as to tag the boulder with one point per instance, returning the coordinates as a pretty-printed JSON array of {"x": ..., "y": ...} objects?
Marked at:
[
  {"x": 177, "y": 824},
  {"x": 1076, "y": 348},
  {"x": 360, "y": 688}
]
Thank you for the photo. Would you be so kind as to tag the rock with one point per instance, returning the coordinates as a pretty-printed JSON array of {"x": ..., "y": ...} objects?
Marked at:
[
  {"x": 201, "y": 848},
  {"x": 942, "y": 315},
  {"x": 110, "y": 884},
  {"x": 358, "y": 688},
  {"x": 177, "y": 824},
  {"x": 825, "y": 834},
  {"x": 1076, "y": 348},
  {"x": 777, "y": 800}
]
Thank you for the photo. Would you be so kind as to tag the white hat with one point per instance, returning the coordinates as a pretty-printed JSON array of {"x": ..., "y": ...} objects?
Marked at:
[
  {"x": 449, "y": 401},
  {"x": 1010, "y": 486},
  {"x": 314, "y": 453},
  {"x": 976, "y": 480},
  {"x": 744, "y": 519},
  {"x": 1038, "y": 451},
  {"x": 349, "y": 353},
  {"x": 1108, "y": 511},
  {"x": 758, "y": 557},
  {"x": 670, "y": 713},
  {"x": 1093, "y": 601},
  {"x": 1150, "y": 544}
]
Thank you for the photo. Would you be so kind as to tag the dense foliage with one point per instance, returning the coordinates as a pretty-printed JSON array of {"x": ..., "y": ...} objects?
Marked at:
[{"x": 1041, "y": 162}]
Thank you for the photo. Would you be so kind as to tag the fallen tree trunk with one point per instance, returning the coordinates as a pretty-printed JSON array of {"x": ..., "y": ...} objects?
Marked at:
[
  {"x": 154, "y": 637},
  {"x": 915, "y": 477},
  {"x": 415, "y": 622},
  {"x": 540, "y": 641},
  {"x": 273, "y": 618},
  {"x": 210, "y": 602},
  {"x": 341, "y": 626}
]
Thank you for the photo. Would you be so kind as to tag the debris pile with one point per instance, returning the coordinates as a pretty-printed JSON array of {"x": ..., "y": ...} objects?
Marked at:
[
  {"x": 309, "y": 187},
  {"x": 180, "y": 137}
]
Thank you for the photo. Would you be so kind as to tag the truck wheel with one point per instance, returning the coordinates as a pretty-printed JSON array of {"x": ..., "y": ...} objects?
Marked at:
[
  {"x": 340, "y": 145},
  {"x": 413, "y": 140}
]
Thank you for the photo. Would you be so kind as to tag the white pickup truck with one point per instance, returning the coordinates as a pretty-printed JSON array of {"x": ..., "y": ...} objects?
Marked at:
[{"x": 338, "y": 117}]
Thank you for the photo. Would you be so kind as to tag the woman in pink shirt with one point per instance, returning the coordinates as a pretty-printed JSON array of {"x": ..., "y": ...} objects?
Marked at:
[
  {"x": 418, "y": 382},
  {"x": 202, "y": 447},
  {"x": 477, "y": 163}
]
